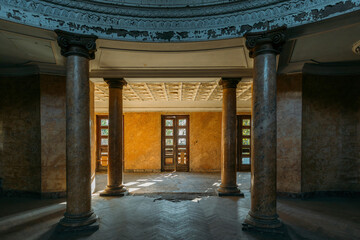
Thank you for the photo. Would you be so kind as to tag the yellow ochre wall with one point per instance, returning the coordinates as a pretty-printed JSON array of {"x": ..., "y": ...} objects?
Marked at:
[{"x": 142, "y": 143}]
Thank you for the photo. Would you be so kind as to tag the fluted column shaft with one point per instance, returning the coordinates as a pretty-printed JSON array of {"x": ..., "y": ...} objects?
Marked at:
[
  {"x": 263, "y": 48},
  {"x": 228, "y": 139},
  {"x": 115, "y": 185},
  {"x": 78, "y": 49}
]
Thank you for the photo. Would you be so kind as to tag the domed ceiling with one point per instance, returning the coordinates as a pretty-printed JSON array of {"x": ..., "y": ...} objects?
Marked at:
[{"x": 170, "y": 20}]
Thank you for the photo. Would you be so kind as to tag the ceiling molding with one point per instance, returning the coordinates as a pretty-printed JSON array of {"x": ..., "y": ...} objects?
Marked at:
[
  {"x": 171, "y": 109},
  {"x": 172, "y": 73},
  {"x": 27, "y": 70},
  {"x": 345, "y": 20}
]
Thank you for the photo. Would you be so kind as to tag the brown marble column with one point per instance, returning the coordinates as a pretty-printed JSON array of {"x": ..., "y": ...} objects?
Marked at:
[
  {"x": 228, "y": 185},
  {"x": 263, "y": 48},
  {"x": 115, "y": 185},
  {"x": 78, "y": 49}
]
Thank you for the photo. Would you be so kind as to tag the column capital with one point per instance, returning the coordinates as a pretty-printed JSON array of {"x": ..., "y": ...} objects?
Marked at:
[
  {"x": 229, "y": 82},
  {"x": 265, "y": 42},
  {"x": 76, "y": 44},
  {"x": 115, "y": 82}
]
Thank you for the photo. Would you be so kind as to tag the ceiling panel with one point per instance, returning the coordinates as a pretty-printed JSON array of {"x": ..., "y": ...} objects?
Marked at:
[
  {"x": 173, "y": 91},
  {"x": 331, "y": 46},
  {"x": 27, "y": 48}
]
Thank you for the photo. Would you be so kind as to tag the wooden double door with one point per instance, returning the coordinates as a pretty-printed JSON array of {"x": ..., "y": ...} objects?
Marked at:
[{"x": 175, "y": 143}]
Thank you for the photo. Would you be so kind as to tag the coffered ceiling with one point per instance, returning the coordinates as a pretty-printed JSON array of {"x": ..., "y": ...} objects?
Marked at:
[{"x": 174, "y": 91}]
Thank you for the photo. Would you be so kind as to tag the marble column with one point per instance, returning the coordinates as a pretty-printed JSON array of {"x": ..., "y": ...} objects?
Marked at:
[
  {"x": 263, "y": 48},
  {"x": 78, "y": 50},
  {"x": 228, "y": 186},
  {"x": 115, "y": 185}
]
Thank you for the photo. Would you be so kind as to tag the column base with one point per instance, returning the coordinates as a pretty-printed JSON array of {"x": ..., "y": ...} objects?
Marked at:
[
  {"x": 229, "y": 191},
  {"x": 83, "y": 222},
  {"x": 119, "y": 191},
  {"x": 257, "y": 223}
]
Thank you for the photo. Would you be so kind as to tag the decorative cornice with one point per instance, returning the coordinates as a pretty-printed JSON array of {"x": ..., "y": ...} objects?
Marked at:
[
  {"x": 76, "y": 44},
  {"x": 229, "y": 82},
  {"x": 265, "y": 42},
  {"x": 174, "y": 24},
  {"x": 115, "y": 82},
  {"x": 333, "y": 69},
  {"x": 165, "y": 11}
]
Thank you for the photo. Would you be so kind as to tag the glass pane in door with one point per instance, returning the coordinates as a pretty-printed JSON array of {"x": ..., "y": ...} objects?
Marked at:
[
  {"x": 182, "y": 131},
  {"x": 169, "y": 142},
  {"x": 182, "y": 122},
  {"x": 169, "y": 122},
  {"x": 169, "y": 132}
]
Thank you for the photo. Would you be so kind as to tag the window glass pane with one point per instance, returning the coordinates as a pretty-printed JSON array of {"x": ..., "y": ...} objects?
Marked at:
[
  {"x": 245, "y": 160},
  {"x": 169, "y": 142},
  {"x": 104, "y": 122},
  {"x": 246, "y": 132},
  {"x": 182, "y": 131},
  {"x": 246, "y": 122},
  {"x": 169, "y": 122},
  {"x": 169, "y": 132},
  {"x": 182, "y": 141},
  {"x": 104, "y": 141},
  {"x": 246, "y": 141},
  {"x": 104, "y": 132},
  {"x": 182, "y": 122},
  {"x": 246, "y": 151}
]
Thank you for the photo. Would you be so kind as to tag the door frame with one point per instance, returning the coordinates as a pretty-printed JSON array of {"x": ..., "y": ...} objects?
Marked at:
[{"x": 163, "y": 168}]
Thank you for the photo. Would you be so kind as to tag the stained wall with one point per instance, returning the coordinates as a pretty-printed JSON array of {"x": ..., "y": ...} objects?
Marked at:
[
  {"x": 331, "y": 133},
  {"x": 33, "y": 134},
  {"x": 53, "y": 134},
  {"x": 289, "y": 119},
  {"x": 20, "y": 138},
  {"x": 205, "y": 141},
  {"x": 142, "y": 143}
]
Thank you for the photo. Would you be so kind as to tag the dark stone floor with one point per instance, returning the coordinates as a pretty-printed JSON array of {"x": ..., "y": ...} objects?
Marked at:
[
  {"x": 172, "y": 182},
  {"x": 183, "y": 206}
]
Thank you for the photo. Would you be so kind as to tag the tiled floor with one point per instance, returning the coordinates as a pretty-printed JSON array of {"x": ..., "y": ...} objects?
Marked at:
[
  {"x": 172, "y": 182},
  {"x": 177, "y": 206}
]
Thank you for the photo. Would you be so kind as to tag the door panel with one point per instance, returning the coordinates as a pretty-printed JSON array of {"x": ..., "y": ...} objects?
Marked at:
[
  {"x": 175, "y": 143},
  {"x": 182, "y": 148}
]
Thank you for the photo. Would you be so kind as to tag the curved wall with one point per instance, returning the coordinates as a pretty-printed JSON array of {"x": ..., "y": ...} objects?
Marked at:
[{"x": 155, "y": 21}]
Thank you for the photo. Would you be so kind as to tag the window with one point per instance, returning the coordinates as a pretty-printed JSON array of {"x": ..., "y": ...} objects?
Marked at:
[{"x": 244, "y": 143}]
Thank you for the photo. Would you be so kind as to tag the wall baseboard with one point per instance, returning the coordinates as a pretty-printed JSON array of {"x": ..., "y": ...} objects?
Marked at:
[
  {"x": 41, "y": 195},
  {"x": 205, "y": 170},
  {"x": 142, "y": 170},
  {"x": 53, "y": 195},
  {"x": 315, "y": 194}
]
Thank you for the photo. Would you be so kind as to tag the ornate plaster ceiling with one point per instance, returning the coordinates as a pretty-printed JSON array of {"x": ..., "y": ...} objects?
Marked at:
[
  {"x": 170, "y": 21},
  {"x": 173, "y": 91},
  {"x": 181, "y": 3}
]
